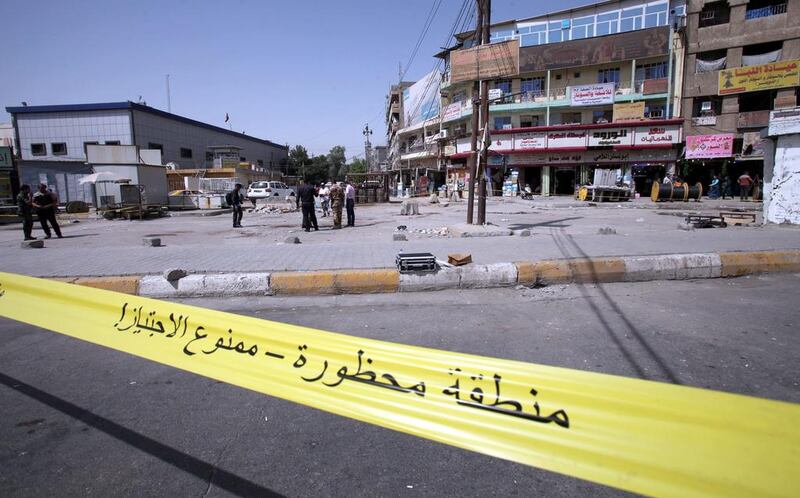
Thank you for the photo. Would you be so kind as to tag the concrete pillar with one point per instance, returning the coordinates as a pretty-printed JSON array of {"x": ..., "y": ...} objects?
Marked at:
[{"x": 545, "y": 181}]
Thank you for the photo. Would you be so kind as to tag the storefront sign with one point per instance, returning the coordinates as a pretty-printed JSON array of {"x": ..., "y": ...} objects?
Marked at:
[
  {"x": 784, "y": 122},
  {"x": 779, "y": 74},
  {"x": 5, "y": 158},
  {"x": 709, "y": 146},
  {"x": 485, "y": 62},
  {"x": 704, "y": 121},
  {"x": 593, "y": 157},
  {"x": 648, "y": 136},
  {"x": 566, "y": 139},
  {"x": 451, "y": 112},
  {"x": 495, "y": 93},
  {"x": 611, "y": 136},
  {"x": 530, "y": 141},
  {"x": 464, "y": 145},
  {"x": 633, "y": 111},
  {"x": 752, "y": 144},
  {"x": 449, "y": 150},
  {"x": 594, "y": 94},
  {"x": 502, "y": 142}
]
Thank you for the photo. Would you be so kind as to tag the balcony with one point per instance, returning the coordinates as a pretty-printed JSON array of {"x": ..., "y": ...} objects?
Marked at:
[
  {"x": 753, "y": 119},
  {"x": 770, "y": 10}
]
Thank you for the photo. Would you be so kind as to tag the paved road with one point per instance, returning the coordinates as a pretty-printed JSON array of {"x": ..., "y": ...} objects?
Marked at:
[
  {"x": 77, "y": 419},
  {"x": 209, "y": 244}
]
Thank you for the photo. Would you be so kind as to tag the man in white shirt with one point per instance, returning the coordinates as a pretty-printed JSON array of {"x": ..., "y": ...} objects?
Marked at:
[
  {"x": 350, "y": 204},
  {"x": 325, "y": 198}
]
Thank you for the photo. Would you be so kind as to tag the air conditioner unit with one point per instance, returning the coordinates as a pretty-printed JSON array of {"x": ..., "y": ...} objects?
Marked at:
[
  {"x": 705, "y": 106},
  {"x": 656, "y": 114},
  {"x": 443, "y": 134},
  {"x": 678, "y": 22}
]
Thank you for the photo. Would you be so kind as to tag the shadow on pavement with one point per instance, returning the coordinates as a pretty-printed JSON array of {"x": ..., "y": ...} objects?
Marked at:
[
  {"x": 178, "y": 459},
  {"x": 559, "y": 223},
  {"x": 561, "y": 240}
]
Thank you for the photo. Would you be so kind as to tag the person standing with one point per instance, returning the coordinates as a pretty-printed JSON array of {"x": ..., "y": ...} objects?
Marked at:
[
  {"x": 305, "y": 201},
  {"x": 25, "y": 210},
  {"x": 745, "y": 184},
  {"x": 713, "y": 191},
  {"x": 235, "y": 201},
  {"x": 46, "y": 204},
  {"x": 350, "y": 202},
  {"x": 337, "y": 200},
  {"x": 325, "y": 198}
]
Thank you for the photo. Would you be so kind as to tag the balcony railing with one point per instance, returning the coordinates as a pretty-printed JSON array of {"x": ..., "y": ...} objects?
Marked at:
[{"x": 770, "y": 10}]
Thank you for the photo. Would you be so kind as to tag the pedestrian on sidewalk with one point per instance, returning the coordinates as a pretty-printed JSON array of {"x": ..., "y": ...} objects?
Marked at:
[
  {"x": 235, "y": 201},
  {"x": 350, "y": 200},
  {"x": 726, "y": 188},
  {"x": 325, "y": 198},
  {"x": 25, "y": 211},
  {"x": 745, "y": 184},
  {"x": 713, "y": 190},
  {"x": 46, "y": 203},
  {"x": 306, "y": 201},
  {"x": 337, "y": 201}
]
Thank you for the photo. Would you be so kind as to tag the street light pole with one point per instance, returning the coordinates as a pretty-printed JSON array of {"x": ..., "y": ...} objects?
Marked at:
[{"x": 367, "y": 145}]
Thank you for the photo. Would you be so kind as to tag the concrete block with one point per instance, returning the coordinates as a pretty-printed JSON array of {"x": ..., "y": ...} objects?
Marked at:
[
  {"x": 229, "y": 284},
  {"x": 399, "y": 237},
  {"x": 156, "y": 286},
  {"x": 32, "y": 244},
  {"x": 735, "y": 264},
  {"x": 487, "y": 276},
  {"x": 302, "y": 283},
  {"x": 672, "y": 267},
  {"x": 446, "y": 278},
  {"x": 367, "y": 281},
  {"x": 151, "y": 242},
  {"x": 174, "y": 274},
  {"x": 127, "y": 285}
]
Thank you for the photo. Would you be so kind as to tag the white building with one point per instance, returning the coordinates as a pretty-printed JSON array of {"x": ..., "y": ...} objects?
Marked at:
[{"x": 52, "y": 141}]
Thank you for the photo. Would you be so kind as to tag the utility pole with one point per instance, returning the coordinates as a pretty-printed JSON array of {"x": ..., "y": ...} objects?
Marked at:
[
  {"x": 485, "y": 36},
  {"x": 169, "y": 100},
  {"x": 367, "y": 146},
  {"x": 473, "y": 158}
]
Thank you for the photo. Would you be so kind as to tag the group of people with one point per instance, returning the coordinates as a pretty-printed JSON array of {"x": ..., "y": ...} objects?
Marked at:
[
  {"x": 332, "y": 196},
  {"x": 45, "y": 203},
  {"x": 723, "y": 187}
]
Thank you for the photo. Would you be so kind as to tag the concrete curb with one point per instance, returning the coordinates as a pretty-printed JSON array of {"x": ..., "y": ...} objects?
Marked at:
[{"x": 382, "y": 280}]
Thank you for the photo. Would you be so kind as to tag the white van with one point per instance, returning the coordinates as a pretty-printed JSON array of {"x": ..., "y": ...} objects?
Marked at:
[{"x": 263, "y": 190}]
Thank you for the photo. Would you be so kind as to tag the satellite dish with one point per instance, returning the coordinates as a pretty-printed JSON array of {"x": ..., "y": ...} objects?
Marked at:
[{"x": 172, "y": 165}]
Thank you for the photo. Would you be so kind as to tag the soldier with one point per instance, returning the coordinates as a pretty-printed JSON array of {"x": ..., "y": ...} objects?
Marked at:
[{"x": 337, "y": 202}]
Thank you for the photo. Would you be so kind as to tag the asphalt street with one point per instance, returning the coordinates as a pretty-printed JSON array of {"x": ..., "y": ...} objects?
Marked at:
[{"x": 78, "y": 419}]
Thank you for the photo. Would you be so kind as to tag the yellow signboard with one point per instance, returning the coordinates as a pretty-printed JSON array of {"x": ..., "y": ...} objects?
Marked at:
[
  {"x": 633, "y": 111},
  {"x": 778, "y": 74}
]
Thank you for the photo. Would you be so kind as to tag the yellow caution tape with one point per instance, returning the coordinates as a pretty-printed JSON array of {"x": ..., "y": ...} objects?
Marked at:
[{"x": 642, "y": 436}]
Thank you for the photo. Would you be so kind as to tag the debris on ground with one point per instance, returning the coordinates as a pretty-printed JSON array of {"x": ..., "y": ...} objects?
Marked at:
[
  {"x": 607, "y": 231},
  {"x": 273, "y": 208},
  {"x": 459, "y": 259},
  {"x": 399, "y": 237},
  {"x": 432, "y": 232}
]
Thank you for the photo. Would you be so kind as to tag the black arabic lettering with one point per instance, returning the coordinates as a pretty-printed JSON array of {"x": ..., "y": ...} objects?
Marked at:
[
  {"x": 197, "y": 337},
  {"x": 314, "y": 379}
]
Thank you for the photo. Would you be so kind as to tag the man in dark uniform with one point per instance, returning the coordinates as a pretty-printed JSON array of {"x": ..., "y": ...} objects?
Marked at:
[
  {"x": 46, "y": 204},
  {"x": 25, "y": 210},
  {"x": 305, "y": 201},
  {"x": 236, "y": 204}
]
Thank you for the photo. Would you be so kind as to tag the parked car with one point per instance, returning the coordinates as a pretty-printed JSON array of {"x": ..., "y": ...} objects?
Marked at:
[{"x": 263, "y": 190}]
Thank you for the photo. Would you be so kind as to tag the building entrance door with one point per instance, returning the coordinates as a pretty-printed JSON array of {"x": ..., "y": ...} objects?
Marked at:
[{"x": 563, "y": 181}]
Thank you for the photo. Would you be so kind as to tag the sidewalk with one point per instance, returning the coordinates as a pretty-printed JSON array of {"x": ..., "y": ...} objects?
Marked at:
[{"x": 209, "y": 244}]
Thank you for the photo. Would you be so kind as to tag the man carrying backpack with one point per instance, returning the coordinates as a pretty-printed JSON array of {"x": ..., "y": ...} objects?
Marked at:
[{"x": 234, "y": 200}]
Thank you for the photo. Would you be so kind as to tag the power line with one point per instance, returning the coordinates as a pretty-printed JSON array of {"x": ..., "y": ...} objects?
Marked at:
[{"x": 431, "y": 15}]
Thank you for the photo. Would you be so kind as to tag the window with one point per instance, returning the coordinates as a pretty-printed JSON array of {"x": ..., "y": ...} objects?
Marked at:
[
  {"x": 459, "y": 96},
  {"x": 112, "y": 142},
  {"x": 186, "y": 153},
  {"x": 631, "y": 19},
  {"x": 533, "y": 35},
  {"x": 260, "y": 163},
  {"x": 764, "y": 8},
  {"x": 711, "y": 60},
  {"x": 504, "y": 85},
  {"x": 38, "y": 150},
  {"x": 610, "y": 75},
  {"x": 209, "y": 156},
  {"x": 607, "y": 23},
  {"x": 583, "y": 27},
  {"x": 710, "y": 105},
  {"x": 652, "y": 71},
  {"x": 554, "y": 33},
  {"x": 502, "y": 122},
  {"x": 151, "y": 145},
  {"x": 570, "y": 118},
  {"x": 715, "y": 13},
  {"x": 576, "y": 74},
  {"x": 528, "y": 121},
  {"x": 59, "y": 148},
  {"x": 761, "y": 53},
  {"x": 655, "y": 15},
  {"x": 532, "y": 86},
  {"x": 602, "y": 116},
  {"x": 757, "y": 101}
]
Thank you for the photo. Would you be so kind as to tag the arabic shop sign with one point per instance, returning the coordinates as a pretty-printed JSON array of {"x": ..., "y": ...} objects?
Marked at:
[
  {"x": 779, "y": 74},
  {"x": 592, "y": 157},
  {"x": 451, "y": 112},
  {"x": 502, "y": 142},
  {"x": 784, "y": 122},
  {"x": 594, "y": 94},
  {"x": 631, "y": 111},
  {"x": 647, "y": 136},
  {"x": 709, "y": 146},
  {"x": 530, "y": 141},
  {"x": 566, "y": 139},
  {"x": 611, "y": 136}
]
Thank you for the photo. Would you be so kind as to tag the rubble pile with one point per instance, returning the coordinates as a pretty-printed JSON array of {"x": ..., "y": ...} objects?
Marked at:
[
  {"x": 432, "y": 232},
  {"x": 273, "y": 208}
]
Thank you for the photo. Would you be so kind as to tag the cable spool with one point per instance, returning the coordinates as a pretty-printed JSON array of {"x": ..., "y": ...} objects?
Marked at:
[{"x": 670, "y": 192}]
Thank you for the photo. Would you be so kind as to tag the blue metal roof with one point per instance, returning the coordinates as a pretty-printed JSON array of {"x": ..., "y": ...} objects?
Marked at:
[{"x": 114, "y": 106}]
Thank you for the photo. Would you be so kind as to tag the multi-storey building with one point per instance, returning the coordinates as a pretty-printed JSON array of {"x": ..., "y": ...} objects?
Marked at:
[
  {"x": 52, "y": 140},
  {"x": 742, "y": 61},
  {"x": 394, "y": 121},
  {"x": 584, "y": 88}
]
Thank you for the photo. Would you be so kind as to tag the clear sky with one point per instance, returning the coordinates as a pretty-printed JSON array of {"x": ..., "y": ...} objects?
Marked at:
[{"x": 297, "y": 72}]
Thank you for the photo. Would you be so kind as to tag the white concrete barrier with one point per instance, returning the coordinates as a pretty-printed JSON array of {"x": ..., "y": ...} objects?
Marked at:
[
  {"x": 231, "y": 284},
  {"x": 445, "y": 278},
  {"x": 672, "y": 267},
  {"x": 492, "y": 275}
]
